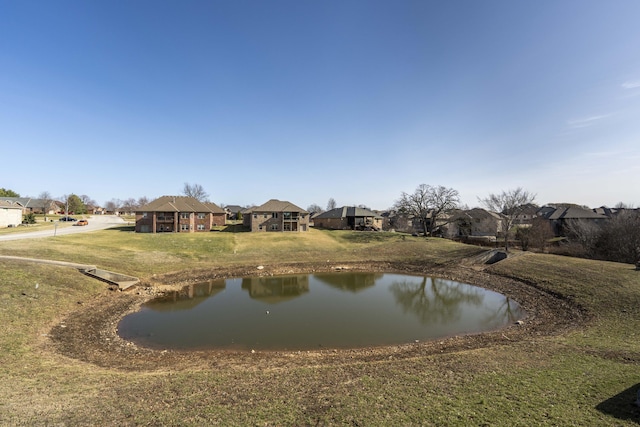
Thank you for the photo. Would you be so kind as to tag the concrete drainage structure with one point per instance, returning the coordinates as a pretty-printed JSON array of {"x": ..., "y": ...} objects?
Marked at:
[{"x": 122, "y": 281}]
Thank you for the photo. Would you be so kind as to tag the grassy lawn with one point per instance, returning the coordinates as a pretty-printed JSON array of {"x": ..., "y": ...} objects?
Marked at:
[
  {"x": 40, "y": 225},
  {"x": 584, "y": 377}
]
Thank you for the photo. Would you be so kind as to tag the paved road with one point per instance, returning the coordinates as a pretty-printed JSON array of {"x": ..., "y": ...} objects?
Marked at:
[{"x": 97, "y": 222}]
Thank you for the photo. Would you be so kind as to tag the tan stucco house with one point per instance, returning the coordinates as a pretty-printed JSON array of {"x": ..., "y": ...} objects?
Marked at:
[
  {"x": 10, "y": 213},
  {"x": 178, "y": 214},
  {"x": 276, "y": 215},
  {"x": 475, "y": 222}
]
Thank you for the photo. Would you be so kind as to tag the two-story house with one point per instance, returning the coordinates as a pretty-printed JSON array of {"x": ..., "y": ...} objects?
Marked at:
[
  {"x": 178, "y": 214},
  {"x": 276, "y": 215}
]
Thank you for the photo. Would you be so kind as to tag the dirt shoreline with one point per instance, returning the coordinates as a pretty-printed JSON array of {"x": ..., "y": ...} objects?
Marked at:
[{"x": 89, "y": 334}]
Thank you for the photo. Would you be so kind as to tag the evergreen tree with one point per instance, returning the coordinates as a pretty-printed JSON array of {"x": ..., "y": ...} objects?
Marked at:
[
  {"x": 5, "y": 192},
  {"x": 76, "y": 205}
]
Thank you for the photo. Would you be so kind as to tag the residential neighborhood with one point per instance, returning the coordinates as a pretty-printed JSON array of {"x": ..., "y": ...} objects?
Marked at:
[
  {"x": 561, "y": 227},
  {"x": 179, "y": 214}
]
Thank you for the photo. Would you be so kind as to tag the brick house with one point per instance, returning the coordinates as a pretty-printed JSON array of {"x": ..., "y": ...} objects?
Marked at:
[
  {"x": 178, "y": 214},
  {"x": 276, "y": 215},
  {"x": 348, "y": 218}
]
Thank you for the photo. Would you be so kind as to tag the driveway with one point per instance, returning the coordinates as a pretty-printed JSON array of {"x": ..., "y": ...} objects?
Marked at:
[{"x": 96, "y": 222}]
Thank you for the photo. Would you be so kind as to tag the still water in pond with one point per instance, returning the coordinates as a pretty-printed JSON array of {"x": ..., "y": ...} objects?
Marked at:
[{"x": 332, "y": 310}]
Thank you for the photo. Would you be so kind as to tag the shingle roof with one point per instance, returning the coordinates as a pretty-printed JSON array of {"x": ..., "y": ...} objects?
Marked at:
[
  {"x": 10, "y": 204},
  {"x": 479, "y": 212},
  {"x": 215, "y": 208},
  {"x": 575, "y": 213},
  {"x": 179, "y": 204},
  {"x": 347, "y": 211},
  {"x": 275, "y": 205},
  {"x": 234, "y": 208},
  {"x": 24, "y": 201}
]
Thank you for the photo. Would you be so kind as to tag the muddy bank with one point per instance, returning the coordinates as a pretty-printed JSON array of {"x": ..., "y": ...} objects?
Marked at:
[{"x": 90, "y": 333}]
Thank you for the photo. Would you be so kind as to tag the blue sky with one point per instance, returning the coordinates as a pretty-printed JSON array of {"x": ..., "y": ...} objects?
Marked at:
[{"x": 306, "y": 101}]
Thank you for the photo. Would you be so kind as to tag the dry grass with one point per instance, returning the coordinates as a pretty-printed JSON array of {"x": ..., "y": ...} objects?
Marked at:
[{"x": 584, "y": 377}]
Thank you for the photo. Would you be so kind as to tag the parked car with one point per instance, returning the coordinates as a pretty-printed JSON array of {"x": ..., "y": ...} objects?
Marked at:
[
  {"x": 82, "y": 222},
  {"x": 67, "y": 218}
]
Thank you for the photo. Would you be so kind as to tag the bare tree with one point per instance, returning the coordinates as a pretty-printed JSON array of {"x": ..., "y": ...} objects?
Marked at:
[
  {"x": 619, "y": 239},
  {"x": 331, "y": 204},
  {"x": 537, "y": 235},
  {"x": 196, "y": 191},
  {"x": 510, "y": 204},
  {"x": 428, "y": 203},
  {"x": 47, "y": 200},
  {"x": 443, "y": 200},
  {"x": 313, "y": 208},
  {"x": 129, "y": 205},
  {"x": 142, "y": 201},
  {"x": 113, "y": 205},
  {"x": 541, "y": 233},
  {"x": 585, "y": 233},
  {"x": 88, "y": 201}
]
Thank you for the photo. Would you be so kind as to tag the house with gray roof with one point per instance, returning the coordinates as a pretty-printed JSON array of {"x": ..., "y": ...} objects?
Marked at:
[
  {"x": 178, "y": 214},
  {"x": 233, "y": 211},
  {"x": 560, "y": 217},
  {"x": 276, "y": 215},
  {"x": 31, "y": 205},
  {"x": 349, "y": 218},
  {"x": 10, "y": 213}
]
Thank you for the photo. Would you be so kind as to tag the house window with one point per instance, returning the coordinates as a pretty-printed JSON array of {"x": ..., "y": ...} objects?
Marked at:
[
  {"x": 255, "y": 216},
  {"x": 274, "y": 226},
  {"x": 286, "y": 226},
  {"x": 201, "y": 215},
  {"x": 260, "y": 227},
  {"x": 265, "y": 215},
  {"x": 184, "y": 227},
  {"x": 200, "y": 227},
  {"x": 144, "y": 214},
  {"x": 184, "y": 215},
  {"x": 274, "y": 215}
]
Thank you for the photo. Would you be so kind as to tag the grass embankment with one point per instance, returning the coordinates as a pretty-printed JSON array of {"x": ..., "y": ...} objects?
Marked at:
[{"x": 583, "y": 377}]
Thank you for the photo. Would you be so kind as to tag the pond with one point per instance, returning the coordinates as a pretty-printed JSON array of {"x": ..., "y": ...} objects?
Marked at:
[{"x": 316, "y": 311}]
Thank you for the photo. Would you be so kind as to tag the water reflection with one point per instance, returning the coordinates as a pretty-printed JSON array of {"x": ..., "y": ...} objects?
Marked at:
[
  {"x": 348, "y": 281},
  {"x": 274, "y": 290},
  {"x": 188, "y": 297},
  {"x": 435, "y": 300},
  {"x": 509, "y": 311},
  {"x": 339, "y": 310}
]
